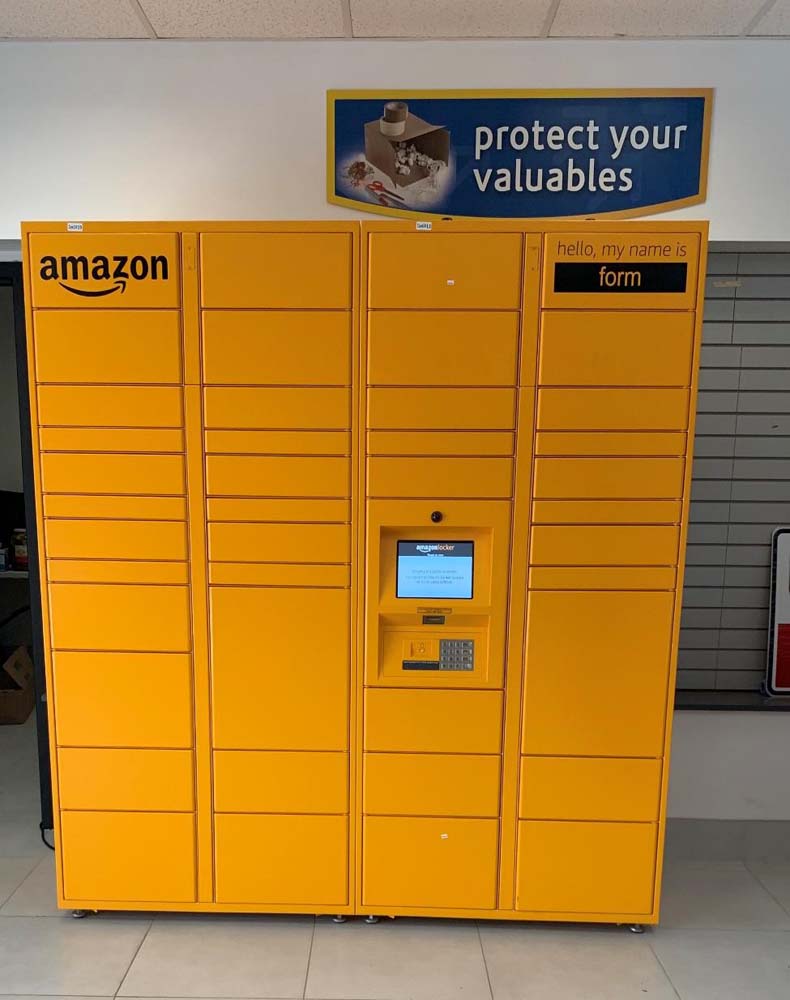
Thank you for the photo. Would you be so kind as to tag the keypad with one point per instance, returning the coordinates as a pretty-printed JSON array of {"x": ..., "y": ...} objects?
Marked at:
[{"x": 456, "y": 654}]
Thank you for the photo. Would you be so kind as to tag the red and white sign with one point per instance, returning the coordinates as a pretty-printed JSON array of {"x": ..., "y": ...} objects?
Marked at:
[{"x": 778, "y": 680}]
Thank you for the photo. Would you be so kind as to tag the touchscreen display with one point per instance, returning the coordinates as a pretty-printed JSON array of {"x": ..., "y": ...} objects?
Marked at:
[{"x": 437, "y": 569}]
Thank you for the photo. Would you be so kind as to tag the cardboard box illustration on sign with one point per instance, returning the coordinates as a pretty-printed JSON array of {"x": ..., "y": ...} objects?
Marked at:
[{"x": 403, "y": 146}]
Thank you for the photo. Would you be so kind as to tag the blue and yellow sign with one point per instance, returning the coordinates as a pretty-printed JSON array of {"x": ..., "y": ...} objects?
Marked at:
[{"x": 518, "y": 153}]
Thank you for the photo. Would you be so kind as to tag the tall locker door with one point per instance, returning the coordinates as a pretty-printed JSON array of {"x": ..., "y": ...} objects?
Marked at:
[
  {"x": 615, "y": 382},
  {"x": 107, "y": 374},
  {"x": 278, "y": 341}
]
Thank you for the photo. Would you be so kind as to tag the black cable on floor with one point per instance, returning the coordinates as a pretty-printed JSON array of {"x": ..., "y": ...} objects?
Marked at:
[{"x": 50, "y": 846}]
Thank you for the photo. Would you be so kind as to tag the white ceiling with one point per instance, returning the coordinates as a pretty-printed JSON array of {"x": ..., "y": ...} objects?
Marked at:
[{"x": 196, "y": 19}]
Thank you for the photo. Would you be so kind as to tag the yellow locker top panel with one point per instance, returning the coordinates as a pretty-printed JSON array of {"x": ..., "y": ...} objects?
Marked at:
[
  {"x": 276, "y": 270},
  {"x": 458, "y": 271}
]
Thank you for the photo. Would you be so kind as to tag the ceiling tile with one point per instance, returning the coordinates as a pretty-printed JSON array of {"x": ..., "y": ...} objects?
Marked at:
[
  {"x": 245, "y": 18},
  {"x": 776, "y": 21},
  {"x": 71, "y": 19},
  {"x": 448, "y": 18},
  {"x": 653, "y": 18}
]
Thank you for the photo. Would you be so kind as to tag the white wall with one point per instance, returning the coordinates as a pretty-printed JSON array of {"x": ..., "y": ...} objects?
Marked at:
[
  {"x": 184, "y": 130},
  {"x": 140, "y": 130},
  {"x": 10, "y": 447}
]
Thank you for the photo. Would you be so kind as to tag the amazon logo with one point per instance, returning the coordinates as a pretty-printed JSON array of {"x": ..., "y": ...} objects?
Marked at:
[{"x": 118, "y": 270}]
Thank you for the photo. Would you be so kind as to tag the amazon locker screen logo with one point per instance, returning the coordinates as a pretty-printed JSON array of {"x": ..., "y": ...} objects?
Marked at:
[
  {"x": 443, "y": 570},
  {"x": 114, "y": 272}
]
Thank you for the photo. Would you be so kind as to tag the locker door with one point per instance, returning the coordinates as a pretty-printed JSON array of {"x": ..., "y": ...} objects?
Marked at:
[
  {"x": 586, "y": 867},
  {"x": 596, "y": 673},
  {"x": 280, "y": 668}
]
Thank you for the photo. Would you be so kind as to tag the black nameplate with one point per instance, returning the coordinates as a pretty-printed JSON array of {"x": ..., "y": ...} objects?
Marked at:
[{"x": 628, "y": 279}]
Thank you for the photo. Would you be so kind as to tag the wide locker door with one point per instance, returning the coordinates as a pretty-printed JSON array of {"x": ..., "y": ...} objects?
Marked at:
[
  {"x": 575, "y": 868},
  {"x": 108, "y": 368},
  {"x": 134, "y": 857},
  {"x": 302, "y": 860},
  {"x": 412, "y": 861},
  {"x": 277, "y": 329}
]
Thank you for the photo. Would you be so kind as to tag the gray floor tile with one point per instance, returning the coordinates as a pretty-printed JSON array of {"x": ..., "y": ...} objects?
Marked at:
[
  {"x": 20, "y": 809},
  {"x": 36, "y": 896},
  {"x": 13, "y": 871},
  {"x": 19, "y": 791},
  {"x": 566, "y": 963},
  {"x": 705, "y": 840},
  {"x": 709, "y": 865},
  {"x": 397, "y": 960},
  {"x": 776, "y": 879},
  {"x": 718, "y": 896},
  {"x": 52, "y": 957},
  {"x": 768, "y": 841},
  {"x": 20, "y": 836},
  {"x": 196, "y": 956},
  {"x": 725, "y": 965}
]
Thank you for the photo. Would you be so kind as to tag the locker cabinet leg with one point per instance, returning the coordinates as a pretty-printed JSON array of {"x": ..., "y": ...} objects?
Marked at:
[
  {"x": 371, "y": 919},
  {"x": 636, "y": 928},
  {"x": 339, "y": 918},
  {"x": 79, "y": 914}
]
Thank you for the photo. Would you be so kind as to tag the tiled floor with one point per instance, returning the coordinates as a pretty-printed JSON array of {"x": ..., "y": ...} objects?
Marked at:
[{"x": 725, "y": 935}]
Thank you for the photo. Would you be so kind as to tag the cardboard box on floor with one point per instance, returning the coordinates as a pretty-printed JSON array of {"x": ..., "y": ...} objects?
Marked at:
[{"x": 17, "y": 692}]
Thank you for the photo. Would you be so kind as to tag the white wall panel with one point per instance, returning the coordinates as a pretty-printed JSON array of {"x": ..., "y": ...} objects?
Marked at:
[{"x": 136, "y": 130}]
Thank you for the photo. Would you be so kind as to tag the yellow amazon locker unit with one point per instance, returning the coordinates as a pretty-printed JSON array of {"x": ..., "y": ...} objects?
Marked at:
[{"x": 361, "y": 554}]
